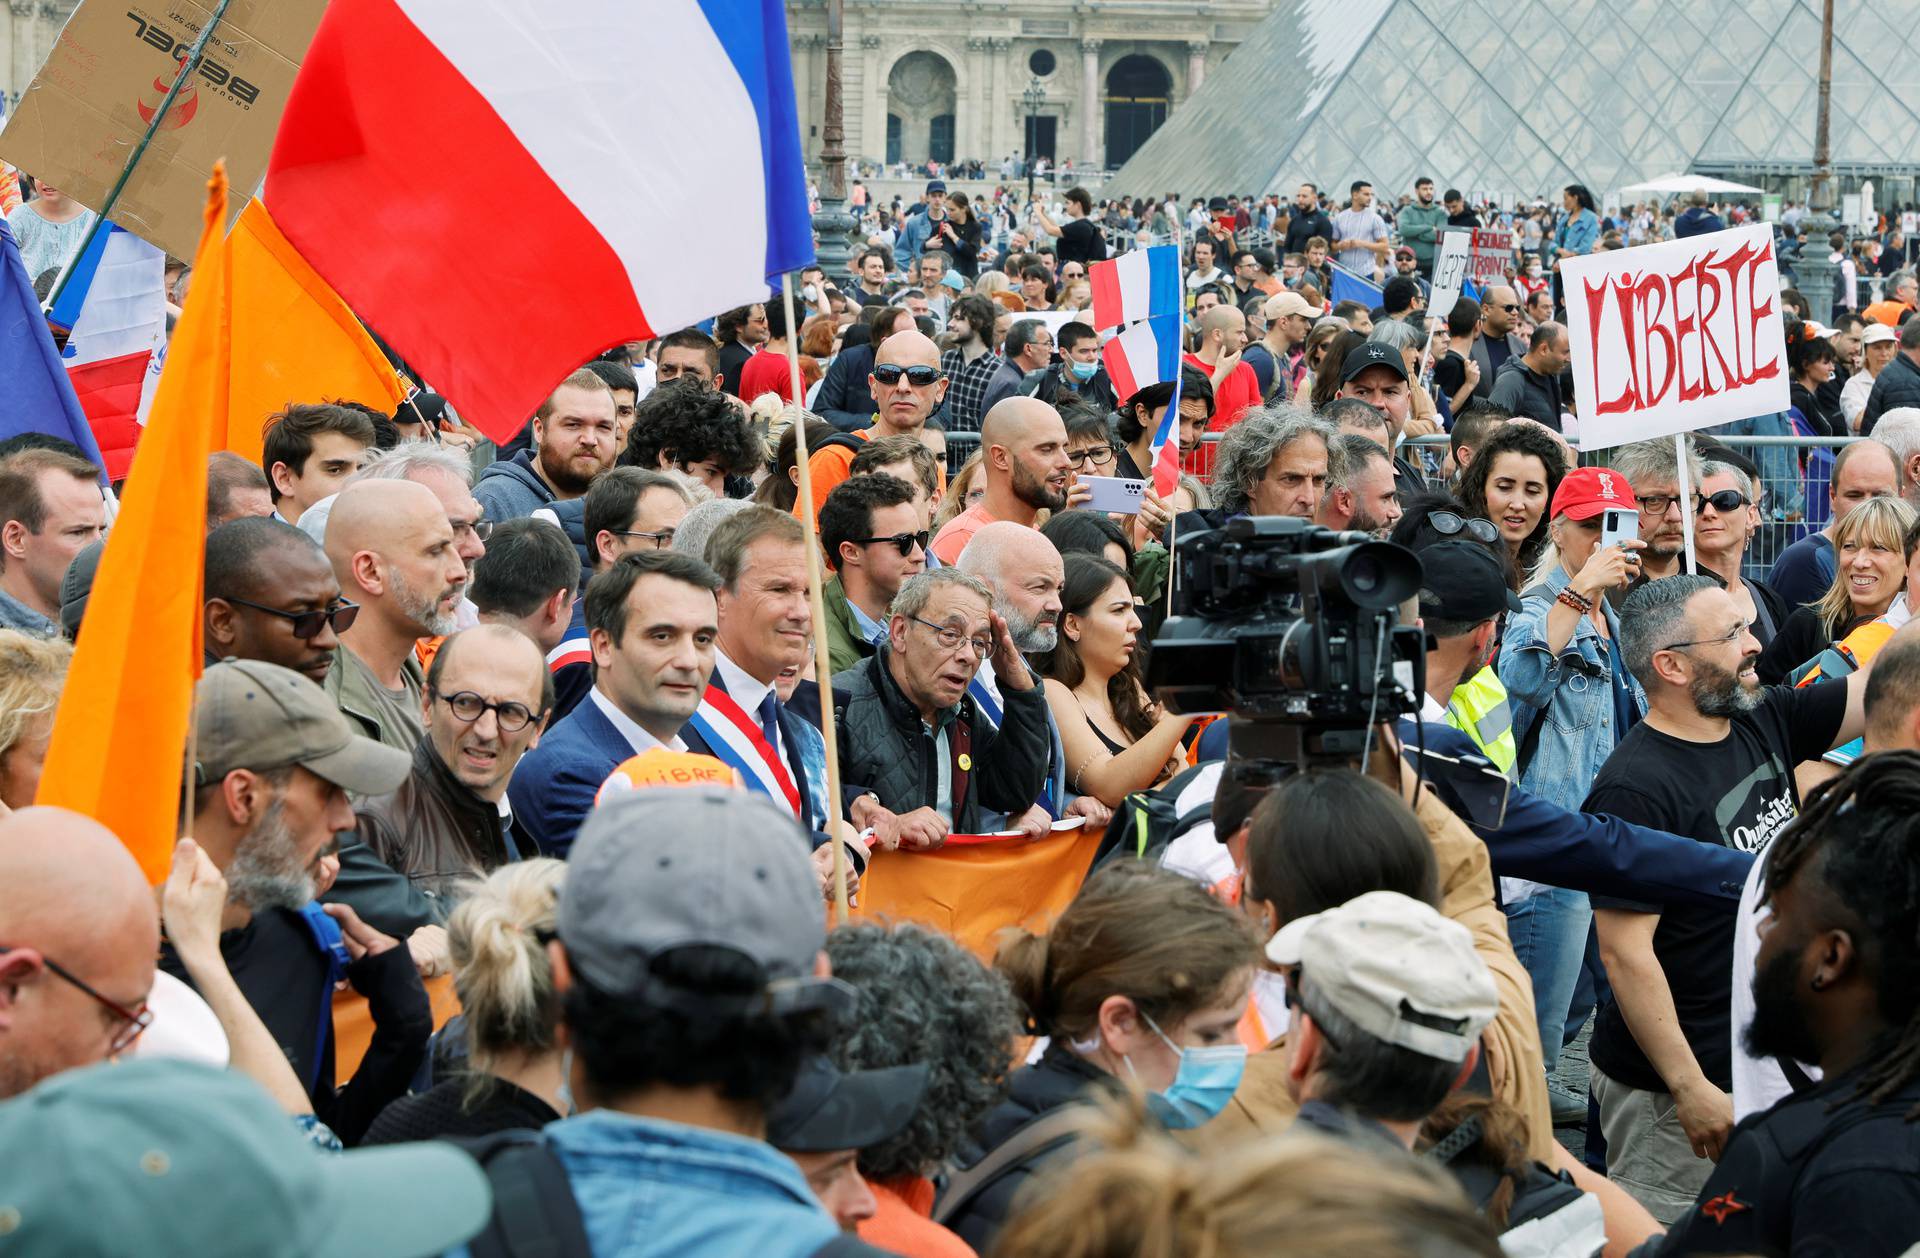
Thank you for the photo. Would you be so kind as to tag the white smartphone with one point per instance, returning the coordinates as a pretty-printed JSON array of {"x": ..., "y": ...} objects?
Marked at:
[
  {"x": 1114, "y": 494},
  {"x": 1618, "y": 525}
]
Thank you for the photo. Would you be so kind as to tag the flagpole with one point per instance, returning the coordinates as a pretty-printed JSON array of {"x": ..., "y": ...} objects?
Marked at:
[
  {"x": 822, "y": 665},
  {"x": 187, "y": 67}
]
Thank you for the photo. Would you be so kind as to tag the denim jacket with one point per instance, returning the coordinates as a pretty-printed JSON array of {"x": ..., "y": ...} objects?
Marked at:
[
  {"x": 1572, "y": 693},
  {"x": 648, "y": 1187}
]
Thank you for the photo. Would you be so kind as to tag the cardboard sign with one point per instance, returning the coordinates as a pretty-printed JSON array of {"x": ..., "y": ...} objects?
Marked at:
[
  {"x": 1491, "y": 256},
  {"x": 1675, "y": 336},
  {"x": 1449, "y": 272},
  {"x": 87, "y": 109}
]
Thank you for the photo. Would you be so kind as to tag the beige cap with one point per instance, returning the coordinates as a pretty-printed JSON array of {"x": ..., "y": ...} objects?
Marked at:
[
  {"x": 1395, "y": 968},
  {"x": 1282, "y": 304},
  {"x": 249, "y": 714},
  {"x": 1875, "y": 333}
]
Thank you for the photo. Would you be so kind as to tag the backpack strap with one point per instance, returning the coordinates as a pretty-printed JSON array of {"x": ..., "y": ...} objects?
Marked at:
[
  {"x": 1032, "y": 1139},
  {"x": 327, "y": 937},
  {"x": 535, "y": 1214}
]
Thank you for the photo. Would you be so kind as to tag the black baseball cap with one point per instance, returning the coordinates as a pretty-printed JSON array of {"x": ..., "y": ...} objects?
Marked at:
[
  {"x": 1373, "y": 354},
  {"x": 1462, "y": 581},
  {"x": 830, "y": 1110}
]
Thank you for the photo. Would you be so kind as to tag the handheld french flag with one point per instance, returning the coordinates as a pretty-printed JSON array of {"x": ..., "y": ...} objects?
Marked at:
[
  {"x": 503, "y": 189},
  {"x": 1350, "y": 287},
  {"x": 1135, "y": 285},
  {"x": 1146, "y": 353},
  {"x": 113, "y": 310},
  {"x": 39, "y": 396}
]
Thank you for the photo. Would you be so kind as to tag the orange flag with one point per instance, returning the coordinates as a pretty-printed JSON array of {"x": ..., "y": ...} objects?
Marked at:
[
  {"x": 293, "y": 339},
  {"x": 120, "y": 735},
  {"x": 971, "y": 891}
]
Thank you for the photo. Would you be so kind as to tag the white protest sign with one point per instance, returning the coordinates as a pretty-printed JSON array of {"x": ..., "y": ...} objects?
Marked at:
[
  {"x": 1449, "y": 272},
  {"x": 1909, "y": 222},
  {"x": 1675, "y": 336}
]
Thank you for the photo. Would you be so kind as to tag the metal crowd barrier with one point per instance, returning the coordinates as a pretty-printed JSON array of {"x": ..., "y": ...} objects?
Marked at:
[{"x": 1782, "y": 461}]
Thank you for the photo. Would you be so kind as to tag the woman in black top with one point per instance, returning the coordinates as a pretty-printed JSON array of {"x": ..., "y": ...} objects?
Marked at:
[
  {"x": 1812, "y": 361},
  {"x": 516, "y": 1074},
  {"x": 1871, "y": 547}
]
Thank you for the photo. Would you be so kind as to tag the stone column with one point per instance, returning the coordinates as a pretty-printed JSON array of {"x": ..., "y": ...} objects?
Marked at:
[
  {"x": 1089, "y": 103},
  {"x": 997, "y": 144},
  {"x": 970, "y": 123},
  {"x": 806, "y": 71},
  {"x": 1196, "y": 65}
]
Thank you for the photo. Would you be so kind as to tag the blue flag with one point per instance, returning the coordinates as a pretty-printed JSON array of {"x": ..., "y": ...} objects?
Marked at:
[
  {"x": 1350, "y": 287},
  {"x": 39, "y": 394}
]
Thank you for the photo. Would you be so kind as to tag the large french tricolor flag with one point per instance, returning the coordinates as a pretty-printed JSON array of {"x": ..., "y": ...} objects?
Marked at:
[
  {"x": 1135, "y": 285},
  {"x": 113, "y": 309},
  {"x": 503, "y": 188},
  {"x": 39, "y": 394}
]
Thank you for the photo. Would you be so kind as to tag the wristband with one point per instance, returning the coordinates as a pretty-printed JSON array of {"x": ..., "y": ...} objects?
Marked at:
[{"x": 1570, "y": 599}]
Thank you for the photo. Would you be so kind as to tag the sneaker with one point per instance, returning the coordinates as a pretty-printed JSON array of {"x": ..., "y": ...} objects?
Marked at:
[{"x": 1567, "y": 1109}]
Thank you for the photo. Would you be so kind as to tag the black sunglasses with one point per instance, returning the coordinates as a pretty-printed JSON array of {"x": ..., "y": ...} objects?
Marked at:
[
  {"x": 1723, "y": 501},
  {"x": 307, "y": 624},
  {"x": 919, "y": 377},
  {"x": 1447, "y": 523},
  {"x": 905, "y": 542}
]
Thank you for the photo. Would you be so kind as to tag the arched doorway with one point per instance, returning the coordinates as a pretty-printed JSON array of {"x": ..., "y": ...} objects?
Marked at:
[
  {"x": 1138, "y": 88},
  {"x": 920, "y": 91}
]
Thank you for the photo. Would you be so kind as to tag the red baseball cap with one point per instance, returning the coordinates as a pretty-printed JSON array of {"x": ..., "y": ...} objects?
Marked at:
[{"x": 1587, "y": 491}]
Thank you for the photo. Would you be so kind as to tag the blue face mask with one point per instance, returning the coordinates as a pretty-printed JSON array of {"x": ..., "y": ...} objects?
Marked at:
[
  {"x": 1205, "y": 1082},
  {"x": 1083, "y": 371}
]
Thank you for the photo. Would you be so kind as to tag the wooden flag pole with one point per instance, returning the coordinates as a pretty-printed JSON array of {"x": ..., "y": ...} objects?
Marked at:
[{"x": 822, "y": 666}]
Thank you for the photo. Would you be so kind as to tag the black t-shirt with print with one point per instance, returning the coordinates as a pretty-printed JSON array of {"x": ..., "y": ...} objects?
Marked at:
[{"x": 1739, "y": 793}]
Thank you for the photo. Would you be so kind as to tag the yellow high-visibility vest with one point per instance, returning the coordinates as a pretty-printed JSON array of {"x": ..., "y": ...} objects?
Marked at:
[{"x": 1479, "y": 710}]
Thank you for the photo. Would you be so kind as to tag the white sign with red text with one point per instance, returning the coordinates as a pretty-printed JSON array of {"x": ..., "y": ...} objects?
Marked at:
[{"x": 1671, "y": 337}]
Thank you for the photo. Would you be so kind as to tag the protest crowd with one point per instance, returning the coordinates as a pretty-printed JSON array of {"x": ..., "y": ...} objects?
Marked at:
[{"x": 553, "y": 877}]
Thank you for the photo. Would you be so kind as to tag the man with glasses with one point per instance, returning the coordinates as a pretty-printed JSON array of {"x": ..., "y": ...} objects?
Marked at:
[
  {"x": 1713, "y": 760},
  {"x": 447, "y": 825},
  {"x": 274, "y": 762},
  {"x": 1651, "y": 468},
  {"x": 272, "y": 596},
  {"x": 1499, "y": 338},
  {"x": 652, "y": 620},
  {"x": 874, "y": 539},
  {"x": 910, "y": 732},
  {"x": 78, "y": 934},
  {"x": 395, "y": 554},
  {"x": 907, "y": 386},
  {"x": 1028, "y": 350}
]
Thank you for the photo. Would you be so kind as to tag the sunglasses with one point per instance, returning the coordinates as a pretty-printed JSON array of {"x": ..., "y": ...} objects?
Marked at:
[
  {"x": 1724, "y": 501},
  {"x": 137, "y": 1020},
  {"x": 1448, "y": 523},
  {"x": 904, "y": 542},
  {"x": 306, "y": 625},
  {"x": 918, "y": 377}
]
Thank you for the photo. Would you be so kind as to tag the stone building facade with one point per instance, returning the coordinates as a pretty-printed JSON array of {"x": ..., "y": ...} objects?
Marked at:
[
  {"x": 27, "y": 31},
  {"x": 950, "y": 81}
]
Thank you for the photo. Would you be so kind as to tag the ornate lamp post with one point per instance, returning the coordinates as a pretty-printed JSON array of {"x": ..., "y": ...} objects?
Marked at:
[
  {"x": 1035, "y": 96},
  {"x": 1814, "y": 270},
  {"x": 833, "y": 226}
]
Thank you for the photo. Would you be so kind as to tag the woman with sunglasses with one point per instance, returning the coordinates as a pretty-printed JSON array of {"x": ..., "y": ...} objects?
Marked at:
[
  {"x": 1512, "y": 478},
  {"x": 1116, "y": 740},
  {"x": 1872, "y": 546}
]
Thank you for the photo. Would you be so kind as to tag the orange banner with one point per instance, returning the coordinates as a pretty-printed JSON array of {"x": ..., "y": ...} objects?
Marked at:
[
  {"x": 353, "y": 1023},
  {"x": 973, "y": 891}
]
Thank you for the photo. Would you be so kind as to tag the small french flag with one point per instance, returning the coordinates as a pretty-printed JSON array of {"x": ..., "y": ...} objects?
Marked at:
[
  {"x": 1146, "y": 353},
  {"x": 1136, "y": 285},
  {"x": 1166, "y": 446},
  {"x": 114, "y": 312}
]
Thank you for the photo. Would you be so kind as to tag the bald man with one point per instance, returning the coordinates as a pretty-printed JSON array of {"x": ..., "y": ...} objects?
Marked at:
[
  {"x": 1026, "y": 470},
  {"x": 78, "y": 936},
  {"x": 908, "y": 387},
  {"x": 1222, "y": 333},
  {"x": 394, "y": 553},
  {"x": 1026, "y": 574}
]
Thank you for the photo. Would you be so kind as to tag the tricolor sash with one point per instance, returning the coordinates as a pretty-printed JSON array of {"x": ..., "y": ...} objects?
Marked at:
[{"x": 735, "y": 738}]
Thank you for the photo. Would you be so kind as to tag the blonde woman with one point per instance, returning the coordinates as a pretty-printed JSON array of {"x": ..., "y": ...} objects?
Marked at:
[
  {"x": 32, "y": 671},
  {"x": 516, "y": 1073},
  {"x": 967, "y": 488},
  {"x": 1871, "y": 547}
]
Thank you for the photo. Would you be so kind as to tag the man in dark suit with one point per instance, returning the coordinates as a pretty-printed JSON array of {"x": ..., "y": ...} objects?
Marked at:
[{"x": 651, "y": 623}]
